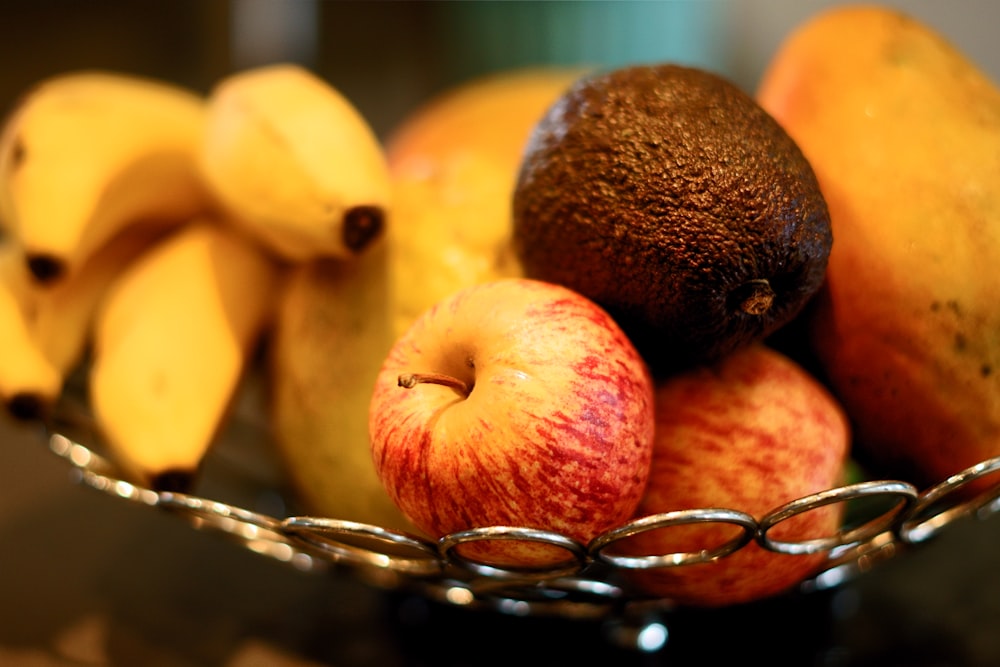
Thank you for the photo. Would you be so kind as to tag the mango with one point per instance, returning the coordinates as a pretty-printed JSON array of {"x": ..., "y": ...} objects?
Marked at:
[
  {"x": 903, "y": 132},
  {"x": 453, "y": 163}
]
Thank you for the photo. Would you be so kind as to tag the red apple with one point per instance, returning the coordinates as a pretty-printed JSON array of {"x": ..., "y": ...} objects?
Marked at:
[
  {"x": 751, "y": 433},
  {"x": 514, "y": 403}
]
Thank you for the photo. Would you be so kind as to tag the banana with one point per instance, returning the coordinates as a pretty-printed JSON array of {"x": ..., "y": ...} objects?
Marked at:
[
  {"x": 28, "y": 380},
  {"x": 172, "y": 341},
  {"x": 332, "y": 331},
  {"x": 48, "y": 332},
  {"x": 87, "y": 153},
  {"x": 294, "y": 163},
  {"x": 63, "y": 313}
]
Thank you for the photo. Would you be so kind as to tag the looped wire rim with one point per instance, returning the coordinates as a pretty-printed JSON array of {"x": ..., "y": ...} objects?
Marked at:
[
  {"x": 906, "y": 492},
  {"x": 98, "y": 473},
  {"x": 258, "y": 532},
  {"x": 319, "y": 534},
  {"x": 664, "y": 520},
  {"x": 448, "y": 548},
  {"x": 590, "y": 572},
  {"x": 929, "y": 514}
]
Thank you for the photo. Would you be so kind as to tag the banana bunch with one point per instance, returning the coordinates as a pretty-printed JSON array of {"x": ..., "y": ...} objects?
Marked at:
[
  {"x": 295, "y": 164},
  {"x": 146, "y": 231},
  {"x": 87, "y": 154}
]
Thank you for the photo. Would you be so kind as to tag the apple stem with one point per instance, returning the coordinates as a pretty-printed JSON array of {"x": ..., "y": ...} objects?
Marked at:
[{"x": 410, "y": 380}]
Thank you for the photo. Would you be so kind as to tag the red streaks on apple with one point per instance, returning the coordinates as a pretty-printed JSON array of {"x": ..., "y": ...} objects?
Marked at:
[{"x": 556, "y": 433}]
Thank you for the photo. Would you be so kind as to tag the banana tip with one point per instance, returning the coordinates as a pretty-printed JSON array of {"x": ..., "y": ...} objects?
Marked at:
[
  {"x": 175, "y": 481},
  {"x": 27, "y": 406},
  {"x": 45, "y": 268}
]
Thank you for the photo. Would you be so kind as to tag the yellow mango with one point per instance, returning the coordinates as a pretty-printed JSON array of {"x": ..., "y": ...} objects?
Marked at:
[
  {"x": 453, "y": 163},
  {"x": 903, "y": 132}
]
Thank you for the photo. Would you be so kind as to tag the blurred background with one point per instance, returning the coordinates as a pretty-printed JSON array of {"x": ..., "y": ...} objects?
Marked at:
[
  {"x": 87, "y": 580},
  {"x": 388, "y": 56}
]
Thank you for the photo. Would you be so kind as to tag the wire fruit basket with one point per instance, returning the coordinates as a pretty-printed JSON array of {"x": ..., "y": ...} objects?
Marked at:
[{"x": 883, "y": 519}]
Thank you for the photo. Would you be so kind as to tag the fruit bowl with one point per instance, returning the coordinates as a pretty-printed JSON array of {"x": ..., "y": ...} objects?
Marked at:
[{"x": 884, "y": 519}]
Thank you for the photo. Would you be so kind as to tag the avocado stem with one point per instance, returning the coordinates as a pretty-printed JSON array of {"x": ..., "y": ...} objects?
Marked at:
[
  {"x": 410, "y": 380},
  {"x": 758, "y": 297}
]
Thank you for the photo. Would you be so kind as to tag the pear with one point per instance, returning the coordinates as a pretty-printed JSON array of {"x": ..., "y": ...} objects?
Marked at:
[
  {"x": 903, "y": 133},
  {"x": 330, "y": 336}
]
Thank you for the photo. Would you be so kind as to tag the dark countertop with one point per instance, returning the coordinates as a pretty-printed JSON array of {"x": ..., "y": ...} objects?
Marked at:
[{"x": 89, "y": 579}]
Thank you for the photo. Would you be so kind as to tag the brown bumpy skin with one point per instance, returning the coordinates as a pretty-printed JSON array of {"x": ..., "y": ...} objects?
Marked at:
[{"x": 668, "y": 196}]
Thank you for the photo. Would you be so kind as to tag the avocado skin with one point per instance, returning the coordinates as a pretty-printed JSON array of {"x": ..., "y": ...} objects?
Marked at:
[{"x": 661, "y": 192}]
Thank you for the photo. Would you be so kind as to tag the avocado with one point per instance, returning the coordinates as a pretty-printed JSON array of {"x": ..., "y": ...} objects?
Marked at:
[{"x": 672, "y": 199}]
